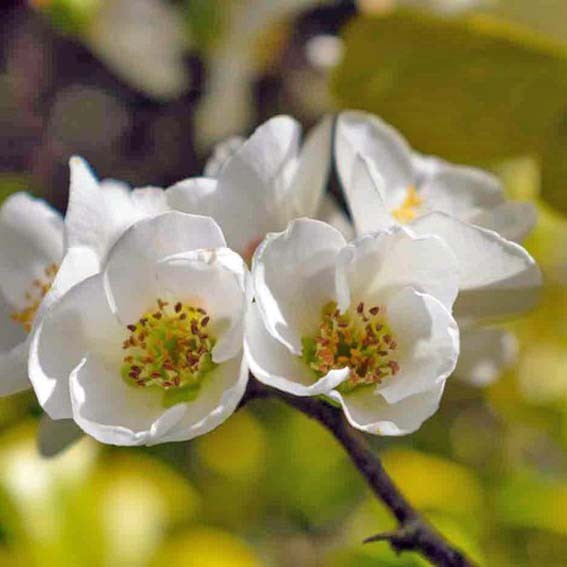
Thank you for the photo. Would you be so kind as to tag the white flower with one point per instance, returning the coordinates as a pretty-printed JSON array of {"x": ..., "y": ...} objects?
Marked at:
[
  {"x": 150, "y": 349},
  {"x": 97, "y": 214},
  {"x": 258, "y": 185},
  {"x": 367, "y": 324},
  {"x": 386, "y": 184},
  {"x": 144, "y": 42},
  {"x": 232, "y": 65},
  {"x": 31, "y": 248},
  {"x": 416, "y": 185}
]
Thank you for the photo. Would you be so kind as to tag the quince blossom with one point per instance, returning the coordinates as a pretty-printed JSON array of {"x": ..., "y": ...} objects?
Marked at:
[
  {"x": 367, "y": 324},
  {"x": 259, "y": 185},
  {"x": 31, "y": 249},
  {"x": 387, "y": 184},
  {"x": 149, "y": 349}
]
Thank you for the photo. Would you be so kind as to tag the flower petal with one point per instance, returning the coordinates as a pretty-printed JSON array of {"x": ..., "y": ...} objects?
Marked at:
[
  {"x": 311, "y": 175},
  {"x": 428, "y": 344},
  {"x": 368, "y": 411},
  {"x": 365, "y": 198},
  {"x": 218, "y": 399},
  {"x": 485, "y": 354},
  {"x": 131, "y": 263},
  {"x": 97, "y": 214},
  {"x": 373, "y": 267},
  {"x": 113, "y": 412},
  {"x": 362, "y": 133},
  {"x": 275, "y": 365},
  {"x": 460, "y": 191},
  {"x": 216, "y": 280},
  {"x": 14, "y": 369},
  {"x": 331, "y": 213},
  {"x": 496, "y": 277},
  {"x": 252, "y": 187},
  {"x": 512, "y": 220},
  {"x": 222, "y": 152},
  {"x": 55, "y": 436},
  {"x": 293, "y": 274},
  {"x": 31, "y": 233},
  {"x": 69, "y": 329}
]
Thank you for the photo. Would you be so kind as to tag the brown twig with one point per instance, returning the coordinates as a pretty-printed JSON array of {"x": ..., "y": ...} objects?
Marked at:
[{"x": 413, "y": 533}]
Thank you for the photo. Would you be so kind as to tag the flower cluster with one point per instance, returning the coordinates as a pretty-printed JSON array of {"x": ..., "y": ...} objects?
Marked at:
[{"x": 140, "y": 315}]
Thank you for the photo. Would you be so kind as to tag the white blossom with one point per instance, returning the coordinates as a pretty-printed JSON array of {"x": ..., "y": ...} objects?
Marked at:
[
  {"x": 387, "y": 184},
  {"x": 31, "y": 249},
  {"x": 149, "y": 349},
  {"x": 259, "y": 185},
  {"x": 367, "y": 324}
]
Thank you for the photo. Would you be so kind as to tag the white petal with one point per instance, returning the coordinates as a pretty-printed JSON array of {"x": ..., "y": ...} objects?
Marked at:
[
  {"x": 54, "y": 436},
  {"x": 80, "y": 321},
  {"x": 252, "y": 187},
  {"x": 131, "y": 263},
  {"x": 496, "y": 277},
  {"x": 362, "y": 133},
  {"x": 310, "y": 179},
  {"x": 113, "y": 412},
  {"x": 196, "y": 195},
  {"x": 331, "y": 213},
  {"x": 460, "y": 191},
  {"x": 221, "y": 154},
  {"x": 485, "y": 354},
  {"x": 202, "y": 196},
  {"x": 373, "y": 267},
  {"x": 368, "y": 411},
  {"x": 216, "y": 280},
  {"x": 14, "y": 369},
  {"x": 275, "y": 365},
  {"x": 79, "y": 263},
  {"x": 428, "y": 344},
  {"x": 293, "y": 274},
  {"x": 218, "y": 399},
  {"x": 365, "y": 198},
  {"x": 31, "y": 239},
  {"x": 98, "y": 214},
  {"x": 512, "y": 220},
  {"x": 11, "y": 333}
]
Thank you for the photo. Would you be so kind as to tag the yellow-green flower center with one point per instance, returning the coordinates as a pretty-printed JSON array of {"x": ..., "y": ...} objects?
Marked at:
[
  {"x": 359, "y": 339},
  {"x": 170, "y": 349},
  {"x": 34, "y": 297}
]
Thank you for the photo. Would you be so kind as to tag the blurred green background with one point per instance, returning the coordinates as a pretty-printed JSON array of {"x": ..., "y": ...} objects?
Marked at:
[{"x": 142, "y": 88}]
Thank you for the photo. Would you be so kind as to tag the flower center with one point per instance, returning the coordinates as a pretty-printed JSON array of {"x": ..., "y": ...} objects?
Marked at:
[
  {"x": 359, "y": 339},
  {"x": 33, "y": 297},
  {"x": 169, "y": 348},
  {"x": 407, "y": 211}
]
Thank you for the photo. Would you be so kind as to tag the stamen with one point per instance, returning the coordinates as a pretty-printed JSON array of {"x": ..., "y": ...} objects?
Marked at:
[
  {"x": 407, "y": 211},
  {"x": 168, "y": 349},
  {"x": 359, "y": 339},
  {"x": 34, "y": 297}
]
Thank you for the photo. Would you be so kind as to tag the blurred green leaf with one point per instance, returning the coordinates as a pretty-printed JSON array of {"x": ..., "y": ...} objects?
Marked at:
[{"x": 471, "y": 90}]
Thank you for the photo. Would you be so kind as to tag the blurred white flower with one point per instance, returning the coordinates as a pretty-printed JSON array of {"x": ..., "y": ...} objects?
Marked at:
[
  {"x": 150, "y": 349},
  {"x": 227, "y": 107},
  {"x": 144, "y": 42},
  {"x": 262, "y": 183},
  {"x": 367, "y": 324},
  {"x": 386, "y": 184},
  {"x": 31, "y": 249}
]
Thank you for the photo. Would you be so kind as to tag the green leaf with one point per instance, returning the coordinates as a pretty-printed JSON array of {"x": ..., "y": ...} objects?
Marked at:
[{"x": 471, "y": 90}]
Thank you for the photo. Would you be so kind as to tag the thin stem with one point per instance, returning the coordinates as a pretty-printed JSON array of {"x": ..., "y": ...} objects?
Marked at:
[{"x": 413, "y": 533}]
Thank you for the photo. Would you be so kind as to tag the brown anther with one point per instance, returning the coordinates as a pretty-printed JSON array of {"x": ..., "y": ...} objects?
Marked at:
[
  {"x": 178, "y": 307},
  {"x": 375, "y": 310},
  {"x": 131, "y": 327},
  {"x": 360, "y": 307},
  {"x": 205, "y": 321}
]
